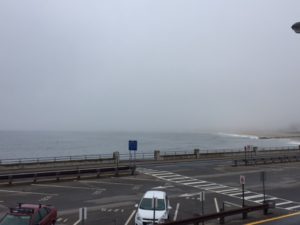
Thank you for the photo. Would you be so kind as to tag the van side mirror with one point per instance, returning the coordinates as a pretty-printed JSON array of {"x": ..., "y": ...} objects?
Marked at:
[
  {"x": 169, "y": 207},
  {"x": 136, "y": 205}
]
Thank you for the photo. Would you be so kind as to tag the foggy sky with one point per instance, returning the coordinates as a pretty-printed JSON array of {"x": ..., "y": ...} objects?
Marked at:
[{"x": 146, "y": 65}]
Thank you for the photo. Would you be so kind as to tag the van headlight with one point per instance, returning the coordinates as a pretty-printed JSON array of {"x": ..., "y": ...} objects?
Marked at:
[{"x": 138, "y": 217}]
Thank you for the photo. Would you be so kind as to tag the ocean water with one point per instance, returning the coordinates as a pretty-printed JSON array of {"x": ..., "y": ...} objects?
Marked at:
[{"x": 28, "y": 144}]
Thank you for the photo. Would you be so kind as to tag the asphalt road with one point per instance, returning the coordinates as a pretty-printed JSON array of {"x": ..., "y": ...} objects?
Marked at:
[{"x": 112, "y": 200}]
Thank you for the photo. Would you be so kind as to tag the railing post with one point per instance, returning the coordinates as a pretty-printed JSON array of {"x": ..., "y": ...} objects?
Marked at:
[
  {"x": 157, "y": 155},
  {"x": 197, "y": 153}
]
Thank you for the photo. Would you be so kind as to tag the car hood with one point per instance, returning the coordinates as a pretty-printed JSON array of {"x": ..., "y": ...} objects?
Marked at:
[{"x": 148, "y": 214}]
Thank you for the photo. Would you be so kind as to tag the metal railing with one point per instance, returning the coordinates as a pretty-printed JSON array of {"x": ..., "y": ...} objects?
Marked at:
[
  {"x": 221, "y": 215},
  {"x": 58, "y": 174},
  {"x": 146, "y": 155}
]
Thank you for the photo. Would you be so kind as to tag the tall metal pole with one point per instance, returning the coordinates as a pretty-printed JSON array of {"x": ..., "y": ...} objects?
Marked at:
[
  {"x": 243, "y": 192},
  {"x": 154, "y": 206},
  {"x": 264, "y": 189}
]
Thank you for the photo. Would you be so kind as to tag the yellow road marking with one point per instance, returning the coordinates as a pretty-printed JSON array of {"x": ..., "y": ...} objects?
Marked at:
[{"x": 275, "y": 218}]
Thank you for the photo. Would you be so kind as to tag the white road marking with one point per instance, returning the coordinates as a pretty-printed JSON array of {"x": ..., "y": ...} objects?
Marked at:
[
  {"x": 28, "y": 192},
  {"x": 103, "y": 182},
  {"x": 66, "y": 220},
  {"x": 218, "y": 188},
  {"x": 59, "y": 219},
  {"x": 71, "y": 187},
  {"x": 162, "y": 173},
  {"x": 129, "y": 218},
  {"x": 294, "y": 207},
  {"x": 116, "y": 210},
  {"x": 109, "y": 210},
  {"x": 227, "y": 190},
  {"x": 176, "y": 212},
  {"x": 284, "y": 203},
  {"x": 198, "y": 182},
  {"x": 254, "y": 196},
  {"x": 103, "y": 209},
  {"x": 239, "y": 193},
  {"x": 205, "y": 185},
  {"x": 170, "y": 176},
  {"x": 163, "y": 187},
  {"x": 261, "y": 200}
]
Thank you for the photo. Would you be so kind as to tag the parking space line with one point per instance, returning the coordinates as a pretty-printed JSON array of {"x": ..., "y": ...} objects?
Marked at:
[
  {"x": 130, "y": 217},
  {"x": 176, "y": 212}
]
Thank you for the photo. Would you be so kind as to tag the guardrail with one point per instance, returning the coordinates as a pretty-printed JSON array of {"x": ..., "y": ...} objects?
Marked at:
[
  {"x": 78, "y": 173},
  {"x": 157, "y": 155},
  {"x": 265, "y": 160},
  {"x": 222, "y": 215}
]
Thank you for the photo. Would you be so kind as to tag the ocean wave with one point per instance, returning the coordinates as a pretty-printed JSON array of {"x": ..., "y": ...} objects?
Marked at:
[
  {"x": 239, "y": 135},
  {"x": 294, "y": 142}
]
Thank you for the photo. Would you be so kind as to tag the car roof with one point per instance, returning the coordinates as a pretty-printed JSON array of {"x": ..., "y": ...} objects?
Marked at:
[
  {"x": 156, "y": 194},
  {"x": 26, "y": 209}
]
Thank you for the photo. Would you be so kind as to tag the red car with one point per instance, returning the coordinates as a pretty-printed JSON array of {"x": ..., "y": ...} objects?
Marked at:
[{"x": 30, "y": 214}]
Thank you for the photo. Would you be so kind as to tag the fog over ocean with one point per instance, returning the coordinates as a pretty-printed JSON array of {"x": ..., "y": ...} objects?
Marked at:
[{"x": 27, "y": 144}]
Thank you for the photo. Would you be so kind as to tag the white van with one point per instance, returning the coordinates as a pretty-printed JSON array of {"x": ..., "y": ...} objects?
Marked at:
[{"x": 147, "y": 213}]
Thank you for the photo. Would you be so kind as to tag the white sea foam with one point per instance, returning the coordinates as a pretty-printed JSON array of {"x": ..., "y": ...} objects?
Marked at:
[
  {"x": 238, "y": 135},
  {"x": 294, "y": 142}
]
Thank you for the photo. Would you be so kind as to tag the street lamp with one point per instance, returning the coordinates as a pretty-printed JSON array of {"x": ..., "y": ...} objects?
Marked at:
[{"x": 296, "y": 27}]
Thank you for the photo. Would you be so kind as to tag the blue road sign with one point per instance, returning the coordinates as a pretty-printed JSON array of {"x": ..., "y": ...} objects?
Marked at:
[{"x": 132, "y": 145}]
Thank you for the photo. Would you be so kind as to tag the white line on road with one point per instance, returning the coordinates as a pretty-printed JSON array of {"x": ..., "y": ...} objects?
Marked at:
[
  {"x": 65, "y": 220},
  {"x": 293, "y": 207},
  {"x": 130, "y": 217},
  {"x": 103, "y": 182},
  {"x": 60, "y": 186},
  {"x": 176, "y": 212},
  {"x": 284, "y": 203},
  {"x": 261, "y": 200},
  {"x": 198, "y": 182},
  {"x": 27, "y": 192},
  {"x": 240, "y": 193},
  {"x": 254, "y": 196}
]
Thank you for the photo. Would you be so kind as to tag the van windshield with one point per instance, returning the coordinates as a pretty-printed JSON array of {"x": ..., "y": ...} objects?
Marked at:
[{"x": 147, "y": 204}]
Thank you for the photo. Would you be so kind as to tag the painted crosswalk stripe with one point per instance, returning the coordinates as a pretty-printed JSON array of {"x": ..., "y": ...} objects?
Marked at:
[
  {"x": 66, "y": 220},
  {"x": 254, "y": 196},
  {"x": 293, "y": 207},
  {"x": 221, "y": 189},
  {"x": 183, "y": 181},
  {"x": 168, "y": 176},
  {"x": 178, "y": 178},
  {"x": 284, "y": 203},
  {"x": 261, "y": 200},
  {"x": 59, "y": 219},
  {"x": 227, "y": 190},
  {"x": 205, "y": 185},
  {"x": 240, "y": 193},
  {"x": 215, "y": 187},
  {"x": 198, "y": 182}
]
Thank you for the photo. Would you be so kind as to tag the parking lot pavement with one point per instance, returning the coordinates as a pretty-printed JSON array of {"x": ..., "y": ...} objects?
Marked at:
[{"x": 112, "y": 200}]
